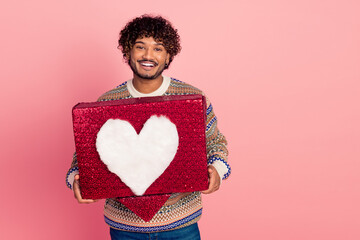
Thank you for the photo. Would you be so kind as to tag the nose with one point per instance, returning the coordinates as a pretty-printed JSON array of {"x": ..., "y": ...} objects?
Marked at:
[{"x": 148, "y": 54}]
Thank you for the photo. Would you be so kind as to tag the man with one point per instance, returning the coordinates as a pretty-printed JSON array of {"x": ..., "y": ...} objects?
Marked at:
[{"x": 149, "y": 45}]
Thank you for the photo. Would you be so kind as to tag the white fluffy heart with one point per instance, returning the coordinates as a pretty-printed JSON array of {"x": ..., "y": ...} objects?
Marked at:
[{"x": 138, "y": 159}]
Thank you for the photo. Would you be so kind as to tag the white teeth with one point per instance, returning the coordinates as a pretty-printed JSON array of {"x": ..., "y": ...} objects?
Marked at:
[{"x": 147, "y": 64}]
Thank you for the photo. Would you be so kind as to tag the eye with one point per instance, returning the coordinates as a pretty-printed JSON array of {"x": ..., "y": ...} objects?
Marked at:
[
  {"x": 158, "y": 49},
  {"x": 139, "y": 47}
]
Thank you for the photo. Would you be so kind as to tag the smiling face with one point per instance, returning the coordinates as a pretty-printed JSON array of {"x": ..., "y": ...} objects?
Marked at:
[{"x": 148, "y": 58}]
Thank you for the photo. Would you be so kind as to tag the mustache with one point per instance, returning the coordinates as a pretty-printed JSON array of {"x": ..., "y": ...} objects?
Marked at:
[{"x": 146, "y": 60}]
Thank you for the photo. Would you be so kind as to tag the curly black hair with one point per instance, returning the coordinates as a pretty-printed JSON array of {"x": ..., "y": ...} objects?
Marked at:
[{"x": 150, "y": 26}]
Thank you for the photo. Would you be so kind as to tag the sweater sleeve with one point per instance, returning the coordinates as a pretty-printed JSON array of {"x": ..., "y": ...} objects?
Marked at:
[
  {"x": 74, "y": 169},
  {"x": 216, "y": 144}
]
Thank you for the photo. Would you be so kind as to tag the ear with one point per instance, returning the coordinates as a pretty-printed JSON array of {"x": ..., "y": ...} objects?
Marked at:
[
  {"x": 167, "y": 58},
  {"x": 127, "y": 56}
]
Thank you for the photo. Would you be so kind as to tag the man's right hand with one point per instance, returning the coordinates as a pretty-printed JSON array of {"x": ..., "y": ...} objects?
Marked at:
[{"x": 77, "y": 193}]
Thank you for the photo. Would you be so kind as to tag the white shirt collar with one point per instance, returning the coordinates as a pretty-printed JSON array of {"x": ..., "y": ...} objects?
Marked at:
[{"x": 158, "y": 92}]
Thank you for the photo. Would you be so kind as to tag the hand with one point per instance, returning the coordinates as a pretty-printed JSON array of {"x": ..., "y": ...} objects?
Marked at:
[
  {"x": 77, "y": 193},
  {"x": 214, "y": 180}
]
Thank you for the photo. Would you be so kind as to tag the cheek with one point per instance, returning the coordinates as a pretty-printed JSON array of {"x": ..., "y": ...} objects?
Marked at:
[
  {"x": 133, "y": 58},
  {"x": 134, "y": 54},
  {"x": 163, "y": 58}
]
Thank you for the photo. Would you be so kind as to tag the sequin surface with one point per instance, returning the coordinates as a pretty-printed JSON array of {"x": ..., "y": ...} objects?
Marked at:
[{"x": 186, "y": 173}]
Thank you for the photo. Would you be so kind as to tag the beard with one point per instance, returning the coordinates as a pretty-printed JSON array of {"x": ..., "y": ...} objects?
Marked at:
[{"x": 132, "y": 65}]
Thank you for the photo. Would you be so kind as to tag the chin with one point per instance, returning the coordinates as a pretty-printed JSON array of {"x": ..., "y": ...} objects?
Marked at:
[{"x": 149, "y": 77}]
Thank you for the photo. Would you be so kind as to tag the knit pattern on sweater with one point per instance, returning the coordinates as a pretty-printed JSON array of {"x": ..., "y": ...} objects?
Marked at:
[{"x": 187, "y": 208}]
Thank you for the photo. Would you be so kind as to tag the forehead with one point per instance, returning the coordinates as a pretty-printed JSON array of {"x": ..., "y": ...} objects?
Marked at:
[{"x": 148, "y": 40}]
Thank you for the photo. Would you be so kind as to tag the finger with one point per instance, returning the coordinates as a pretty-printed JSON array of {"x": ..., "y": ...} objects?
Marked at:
[
  {"x": 88, "y": 200},
  {"x": 77, "y": 192},
  {"x": 209, "y": 190},
  {"x": 211, "y": 183},
  {"x": 214, "y": 180},
  {"x": 79, "y": 197},
  {"x": 76, "y": 189}
]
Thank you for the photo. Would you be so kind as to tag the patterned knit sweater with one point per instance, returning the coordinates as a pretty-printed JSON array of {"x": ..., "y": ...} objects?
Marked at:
[{"x": 181, "y": 209}]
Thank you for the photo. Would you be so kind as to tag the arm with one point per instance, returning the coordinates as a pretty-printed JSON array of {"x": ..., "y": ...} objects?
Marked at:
[
  {"x": 74, "y": 170},
  {"x": 217, "y": 153},
  {"x": 72, "y": 181}
]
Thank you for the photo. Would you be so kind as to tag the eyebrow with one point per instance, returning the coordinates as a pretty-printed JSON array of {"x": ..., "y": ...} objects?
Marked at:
[{"x": 144, "y": 43}]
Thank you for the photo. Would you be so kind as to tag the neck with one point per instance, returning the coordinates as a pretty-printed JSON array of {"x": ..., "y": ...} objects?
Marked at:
[{"x": 147, "y": 85}]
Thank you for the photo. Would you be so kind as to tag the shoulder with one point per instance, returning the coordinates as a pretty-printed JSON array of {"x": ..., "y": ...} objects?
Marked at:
[
  {"x": 178, "y": 87},
  {"x": 119, "y": 92}
]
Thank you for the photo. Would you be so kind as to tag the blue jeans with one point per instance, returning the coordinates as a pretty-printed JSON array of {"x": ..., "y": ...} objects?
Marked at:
[{"x": 187, "y": 233}]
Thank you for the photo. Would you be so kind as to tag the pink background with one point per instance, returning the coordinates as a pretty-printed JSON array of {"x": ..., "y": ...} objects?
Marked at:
[{"x": 283, "y": 77}]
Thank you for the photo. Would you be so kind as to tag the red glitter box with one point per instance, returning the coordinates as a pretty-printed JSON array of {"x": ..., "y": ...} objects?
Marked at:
[{"x": 187, "y": 171}]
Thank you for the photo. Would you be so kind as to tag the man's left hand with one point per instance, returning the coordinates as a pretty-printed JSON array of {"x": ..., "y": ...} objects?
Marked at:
[{"x": 214, "y": 180}]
